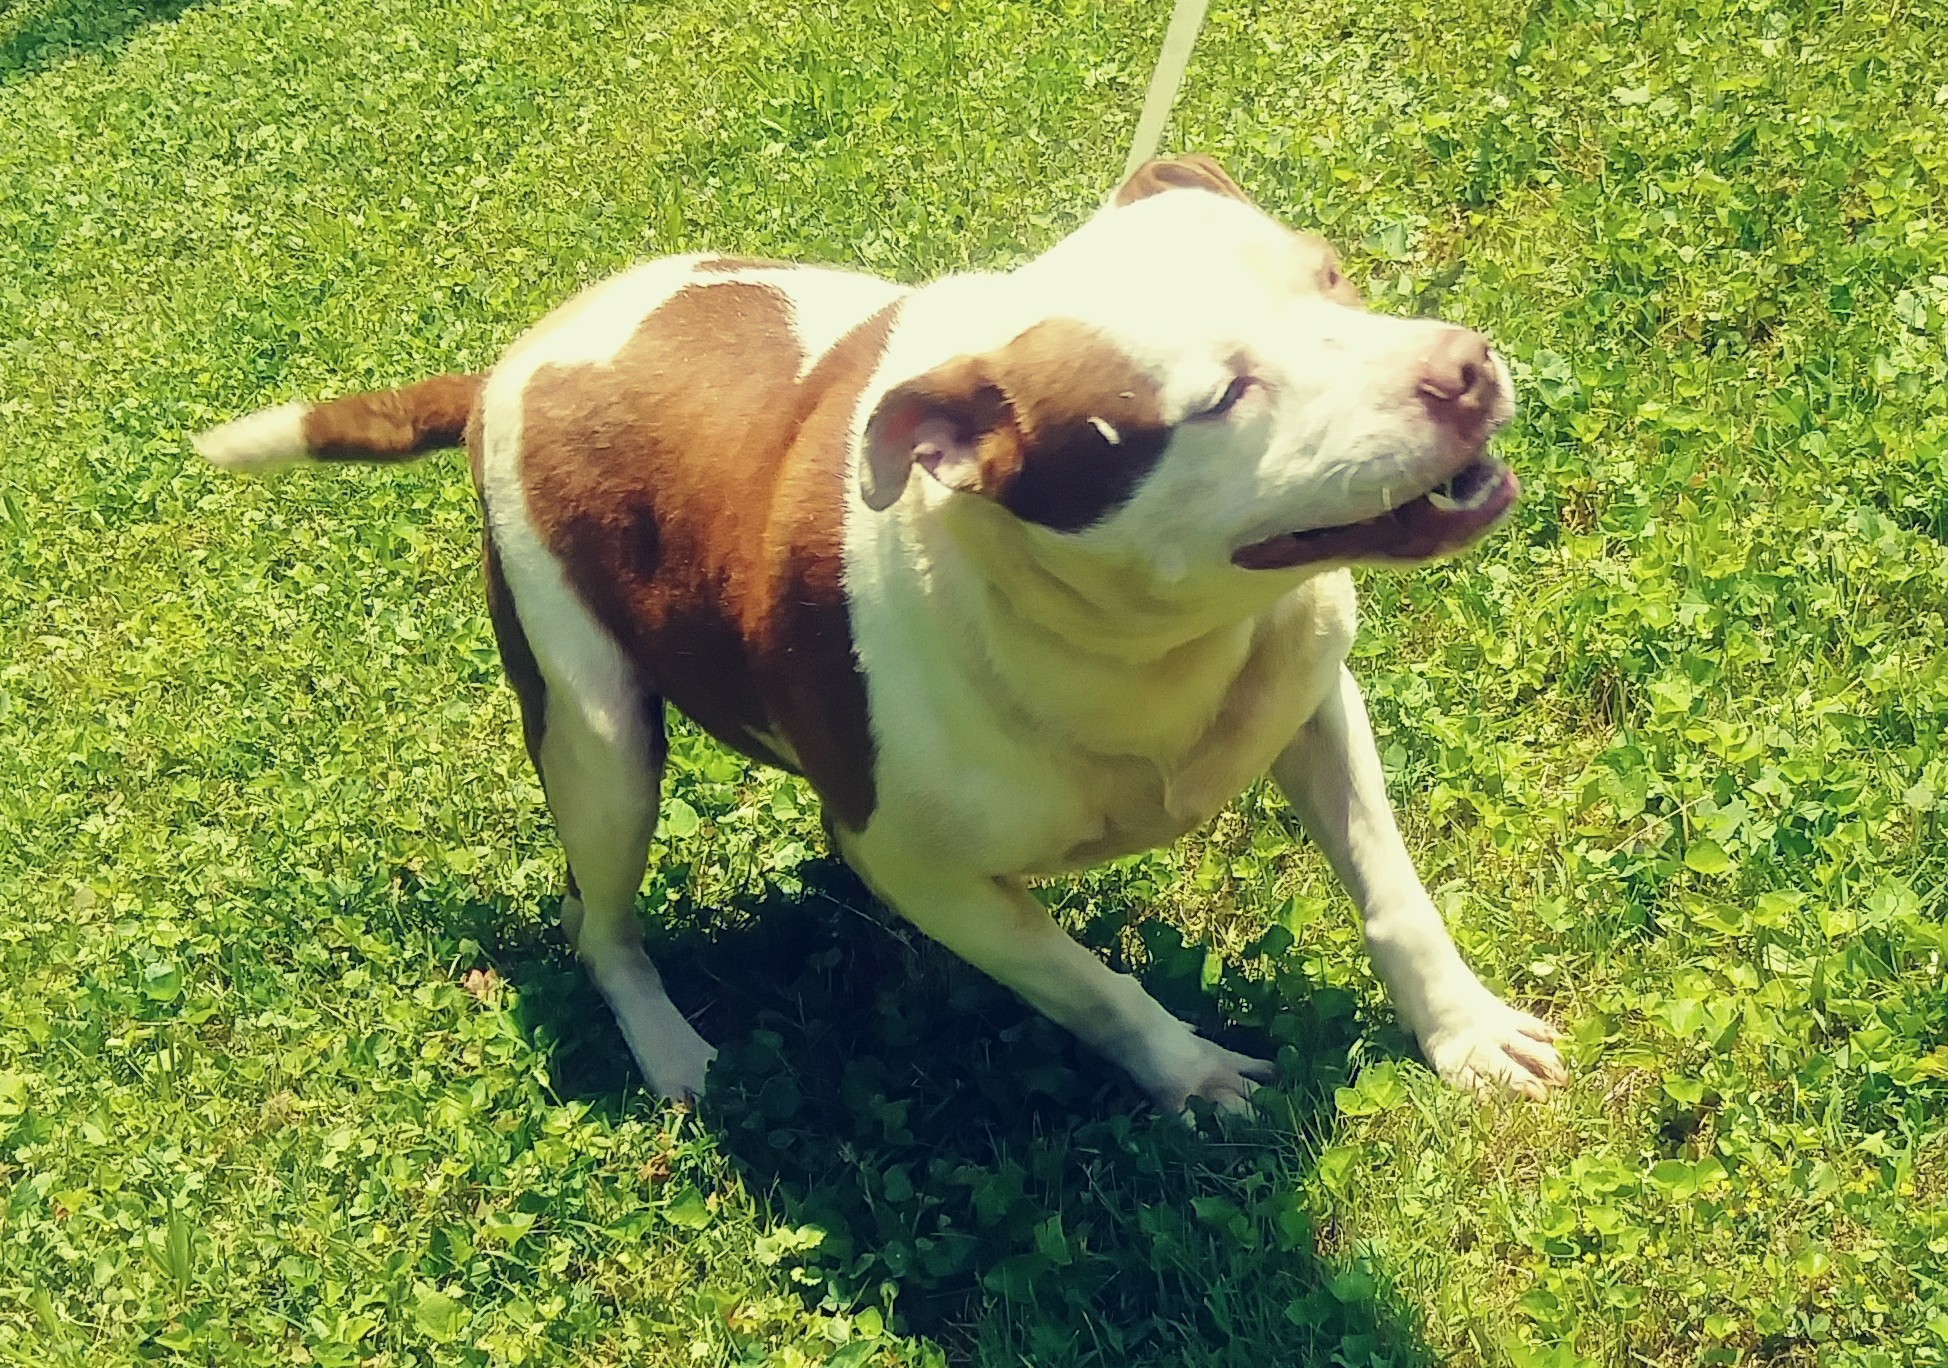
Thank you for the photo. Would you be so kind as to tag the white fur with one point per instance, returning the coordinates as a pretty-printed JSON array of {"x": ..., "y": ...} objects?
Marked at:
[
  {"x": 1334, "y": 433},
  {"x": 604, "y": 795},
  {"x": 270, "y": 439}
]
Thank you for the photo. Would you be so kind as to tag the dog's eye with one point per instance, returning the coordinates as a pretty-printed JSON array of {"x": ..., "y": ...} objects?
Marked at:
[{"x": 1224, "y": 403}]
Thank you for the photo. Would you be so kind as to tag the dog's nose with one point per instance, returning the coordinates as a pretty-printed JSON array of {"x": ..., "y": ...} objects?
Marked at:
[{"x": 1456, "y": 376}]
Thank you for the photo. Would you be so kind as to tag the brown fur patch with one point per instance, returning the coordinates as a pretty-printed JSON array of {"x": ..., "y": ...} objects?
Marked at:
[
  {"x": 1063, "y": 379},
  {"x": 694, "y": 491},
  {"x": 1036, "y": 412},
  {"x": 395, "y": 424},
  {"x": 726, "y": 265},
  {"x": 1192, "y": 171}
]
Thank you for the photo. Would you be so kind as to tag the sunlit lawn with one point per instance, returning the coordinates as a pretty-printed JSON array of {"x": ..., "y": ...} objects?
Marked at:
[{"x": 294, "y": 1065}]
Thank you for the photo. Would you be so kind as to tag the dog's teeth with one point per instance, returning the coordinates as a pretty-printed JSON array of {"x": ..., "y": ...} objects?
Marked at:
[
  {"x": 1479, "y": 496},
  {"x": 1442, "y": 501}
]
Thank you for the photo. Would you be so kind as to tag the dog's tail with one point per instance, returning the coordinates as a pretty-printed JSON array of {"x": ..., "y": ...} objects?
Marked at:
[{"x": 383, "y": 425}]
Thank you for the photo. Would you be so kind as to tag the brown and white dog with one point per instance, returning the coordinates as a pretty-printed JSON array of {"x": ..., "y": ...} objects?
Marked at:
[{"x": 1021, "y": 572}]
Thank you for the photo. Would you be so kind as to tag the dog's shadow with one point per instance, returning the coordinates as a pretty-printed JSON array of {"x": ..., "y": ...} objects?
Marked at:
[
  {"x": 971, "y": 1166},
  {"x": 41, "y": 35}
]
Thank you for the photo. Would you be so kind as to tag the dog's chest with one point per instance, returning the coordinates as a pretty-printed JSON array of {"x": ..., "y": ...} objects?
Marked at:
[
  {"x": 1127, "y": 806},
  {"x": 1123, "y": 804},
  {"x": 1049, "y": 789}
]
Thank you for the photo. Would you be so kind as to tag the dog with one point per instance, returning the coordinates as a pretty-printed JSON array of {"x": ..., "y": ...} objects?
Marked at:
[{"x": 1021, "y": 571}]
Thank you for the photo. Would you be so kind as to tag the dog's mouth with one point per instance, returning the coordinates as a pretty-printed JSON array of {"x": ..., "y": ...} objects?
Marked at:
[{"x": 1448, "y": 517}]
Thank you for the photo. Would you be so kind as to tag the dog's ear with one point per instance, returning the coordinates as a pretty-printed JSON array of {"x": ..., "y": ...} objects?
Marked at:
[
  {"x": 1192, "y": 171},
  {"x": 954, "y": 422}
]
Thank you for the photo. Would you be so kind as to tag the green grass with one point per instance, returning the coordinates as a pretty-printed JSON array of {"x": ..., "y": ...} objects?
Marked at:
[{"x": 294, "y": 1067}]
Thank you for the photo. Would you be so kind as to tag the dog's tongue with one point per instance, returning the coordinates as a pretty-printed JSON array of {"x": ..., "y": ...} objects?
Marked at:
[{"x": 1438, "y": 523}]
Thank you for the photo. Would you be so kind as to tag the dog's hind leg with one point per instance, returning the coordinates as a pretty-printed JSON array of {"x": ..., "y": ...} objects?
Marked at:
[
  {"x": 599, "y": 750},
  {"x": 603, "y": 790}
]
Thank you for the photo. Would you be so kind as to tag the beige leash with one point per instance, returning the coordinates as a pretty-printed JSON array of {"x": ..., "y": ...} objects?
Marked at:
[{"x": 1185, "y": 21}]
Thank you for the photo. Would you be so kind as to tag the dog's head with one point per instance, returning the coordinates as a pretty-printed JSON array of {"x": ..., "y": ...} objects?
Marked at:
[{"x": 1198, "y": 392}]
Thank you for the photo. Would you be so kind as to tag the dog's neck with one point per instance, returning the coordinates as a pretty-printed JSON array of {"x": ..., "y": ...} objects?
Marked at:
[
  {"x": 1092, "y": 649},
  {"x": 1111, "y": 610}
]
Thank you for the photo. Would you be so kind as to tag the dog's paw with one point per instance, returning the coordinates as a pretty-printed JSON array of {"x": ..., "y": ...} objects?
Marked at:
[
  {"x": 1203, "y": 1068},
  {"x": 1490, "y": 1047},
  {"x": 673, "y": 1058},
  {"x": 678, "y": 1069}
]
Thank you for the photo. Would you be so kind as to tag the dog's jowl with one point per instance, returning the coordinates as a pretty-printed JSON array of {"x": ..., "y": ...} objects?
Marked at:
[{"x": 1020, "y": 571}]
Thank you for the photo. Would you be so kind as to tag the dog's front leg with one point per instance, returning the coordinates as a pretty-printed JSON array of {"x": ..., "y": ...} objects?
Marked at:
[
  {"x": 998, "y": 926},
  {"x": 1332, "y": 775}
]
